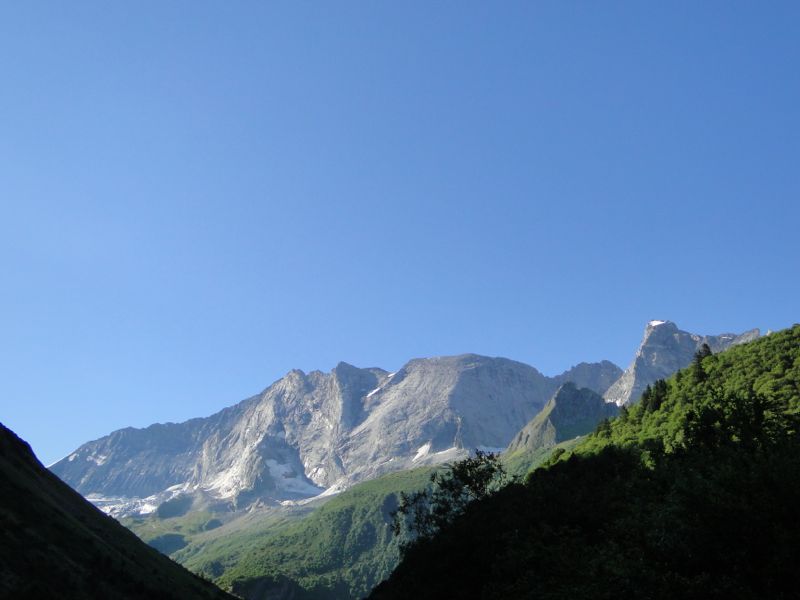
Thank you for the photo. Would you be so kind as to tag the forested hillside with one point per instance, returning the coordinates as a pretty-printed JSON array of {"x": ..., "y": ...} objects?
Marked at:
[{"x": 691, "y": 493}]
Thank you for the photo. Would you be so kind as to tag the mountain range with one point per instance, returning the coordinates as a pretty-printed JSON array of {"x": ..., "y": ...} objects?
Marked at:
[
  {"x": 308, "y": 434},
  {"x": 314, "y": 434}
]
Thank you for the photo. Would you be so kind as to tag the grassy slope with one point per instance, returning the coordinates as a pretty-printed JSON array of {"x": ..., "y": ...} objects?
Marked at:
[
  {"x": 55, "y": 544},
  {"x": 341, "y": 550},
  {"x": 344, "y": 547},
  {"x": 339, "y": 547},
  {"x": 518, "y": 464},
  {"x": 691, "y": 494},
  {"x": 187, "y": 536}
]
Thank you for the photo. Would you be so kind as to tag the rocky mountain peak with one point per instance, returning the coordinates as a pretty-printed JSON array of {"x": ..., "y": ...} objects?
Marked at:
[
  {"x": 595, "y": 376},
  {"x": 665, "y": 349},
  {"x": 308, "y": 432}
]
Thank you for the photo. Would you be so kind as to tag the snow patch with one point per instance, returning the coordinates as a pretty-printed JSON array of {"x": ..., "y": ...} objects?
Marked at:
[
  {"x": 147, "y": 508},
  {"x": 98, "y": 459},
  {"x": 380, "y": 387},
  {"x": 447, "y": 451},
  {"x": 422, "y": 451},
  {"x": 121, "y": 506},
  {"x": 655, "y": 323},
  {"x": 287, "y": 479},
  {"x": 336, "y": 488},
  {"x": 70, "y": 458}
]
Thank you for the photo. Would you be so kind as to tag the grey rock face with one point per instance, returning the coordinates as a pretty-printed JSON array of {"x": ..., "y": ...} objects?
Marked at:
[
  {"x": 572, "y": 411},
  {"x": 664, "y": 350},
  {"x": 597, "y": 377},
  {"x": 433, "y": 410},
  {"x": 310, "y": 432},
  {"x": 307, "y": 433}
]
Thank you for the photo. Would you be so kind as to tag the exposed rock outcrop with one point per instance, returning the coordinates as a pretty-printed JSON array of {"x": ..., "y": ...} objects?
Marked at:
[
  {"x": 664, "y": 350},
  {"x": 307, "y": 433}
]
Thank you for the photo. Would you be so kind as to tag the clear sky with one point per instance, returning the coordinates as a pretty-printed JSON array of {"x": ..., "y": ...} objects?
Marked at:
[{"x": 199, "y": 196}]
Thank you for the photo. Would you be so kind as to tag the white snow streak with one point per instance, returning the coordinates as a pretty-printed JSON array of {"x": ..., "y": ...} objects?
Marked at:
[{"x": 422, "y": 451}]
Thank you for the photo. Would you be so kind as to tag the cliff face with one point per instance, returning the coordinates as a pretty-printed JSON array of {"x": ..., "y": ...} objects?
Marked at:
[
  {"x": 307, "y": 433},
  {"x": 664, "y": 350}
]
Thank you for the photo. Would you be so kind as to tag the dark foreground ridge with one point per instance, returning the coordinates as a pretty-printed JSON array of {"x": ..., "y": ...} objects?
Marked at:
[
  {"x": 55, "y": 544},
  {"x": 691, "y": 493}
]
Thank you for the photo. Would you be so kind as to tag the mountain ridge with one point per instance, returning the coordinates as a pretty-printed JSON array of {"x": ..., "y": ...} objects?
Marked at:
[
  {"x": 311, "y": 432},
  {"x": 317, "y": 433},
  {"x": 665, "y": 349}
]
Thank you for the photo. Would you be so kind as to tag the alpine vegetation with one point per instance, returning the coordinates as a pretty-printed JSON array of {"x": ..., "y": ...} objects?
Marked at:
[{"x": 690, "y": 493}]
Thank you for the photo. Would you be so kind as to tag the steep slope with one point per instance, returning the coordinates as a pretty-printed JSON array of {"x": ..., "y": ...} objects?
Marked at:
[
  {"x": 307, "y": 433},
  {"x": 664, "y": 350},
  {"x": 54, "y": 544},
  {"x": 436, "y": 409},
  {"x": 340, "y": 551},
  {"x": 597, "y": 377},
  {"x": 570, "y": 413},
  {"x": 691, "y": 493}
]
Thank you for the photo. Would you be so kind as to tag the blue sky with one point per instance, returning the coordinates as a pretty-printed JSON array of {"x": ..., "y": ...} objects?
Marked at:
[{"x": 197, "y": 197}]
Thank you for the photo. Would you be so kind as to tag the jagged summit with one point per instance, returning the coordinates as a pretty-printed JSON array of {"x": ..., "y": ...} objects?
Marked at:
[
  {"x": 308, "y": 433},
  {"x": 664, "y": 350},
  {"x": 595, "y": 376},
  {"x": 313, "y": 433}
]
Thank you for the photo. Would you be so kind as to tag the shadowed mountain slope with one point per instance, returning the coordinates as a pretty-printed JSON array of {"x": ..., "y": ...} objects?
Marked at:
[
  {"x": 55, "y": 544},
  {"x": 570, "y": 413}
]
